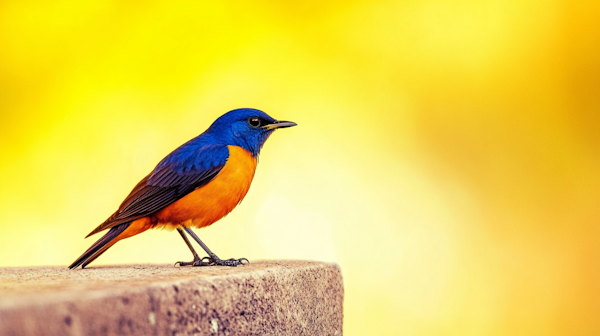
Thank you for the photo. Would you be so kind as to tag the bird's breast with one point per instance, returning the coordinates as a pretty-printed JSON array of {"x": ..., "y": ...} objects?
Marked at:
[{"x": 211, "y": 202}]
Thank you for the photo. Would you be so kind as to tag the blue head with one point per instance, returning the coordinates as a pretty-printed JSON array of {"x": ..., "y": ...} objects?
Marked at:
[{"x": 245, "y": 127}]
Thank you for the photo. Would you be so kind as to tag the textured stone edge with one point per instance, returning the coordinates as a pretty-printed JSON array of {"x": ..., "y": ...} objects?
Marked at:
[{"x": 305, "y": 300}]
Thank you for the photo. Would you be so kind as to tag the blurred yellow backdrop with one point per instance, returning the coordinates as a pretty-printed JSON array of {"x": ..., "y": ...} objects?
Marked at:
[{"x": 447, "y": 154}]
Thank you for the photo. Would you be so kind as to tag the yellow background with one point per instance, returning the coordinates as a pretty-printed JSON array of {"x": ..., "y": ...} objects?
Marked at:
[{"x": 447, "y": 154}]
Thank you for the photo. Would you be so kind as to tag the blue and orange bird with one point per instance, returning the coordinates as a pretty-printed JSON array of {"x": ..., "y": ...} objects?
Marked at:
[{"x": 194, "y": 186}]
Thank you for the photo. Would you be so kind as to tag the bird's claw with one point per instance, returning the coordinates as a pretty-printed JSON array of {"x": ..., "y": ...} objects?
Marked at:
[
  {"x": 228, "y": 262},
  {"x": 208, "y": 261},
  {"x": 231, "y": 262}
]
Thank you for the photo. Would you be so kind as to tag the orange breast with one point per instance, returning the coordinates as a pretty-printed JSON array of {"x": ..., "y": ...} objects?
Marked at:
[{"x": 211, "y": 202}]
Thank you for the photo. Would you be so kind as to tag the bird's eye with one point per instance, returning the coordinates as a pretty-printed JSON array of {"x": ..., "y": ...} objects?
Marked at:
[{"x": 254, "y": 122}]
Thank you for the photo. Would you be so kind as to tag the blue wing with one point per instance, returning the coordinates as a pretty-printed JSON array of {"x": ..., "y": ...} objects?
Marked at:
[{"x": 181, "y": 172}]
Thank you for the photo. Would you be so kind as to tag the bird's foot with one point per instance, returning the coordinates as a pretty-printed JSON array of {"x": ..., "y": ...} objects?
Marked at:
[
  {"x": 214, "y": 261},
  {"x": 230, "y": 262}
]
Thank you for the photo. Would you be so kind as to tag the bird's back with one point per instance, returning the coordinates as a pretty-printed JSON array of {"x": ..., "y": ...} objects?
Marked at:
[{"x": 191, "y": 166}]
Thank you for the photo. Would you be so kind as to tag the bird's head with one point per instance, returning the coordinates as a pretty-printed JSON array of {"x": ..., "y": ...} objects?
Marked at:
[{"x": 246, "y": 127}]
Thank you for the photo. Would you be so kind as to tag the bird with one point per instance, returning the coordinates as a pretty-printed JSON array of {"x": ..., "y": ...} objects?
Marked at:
[{"x": 193, "y": 187}]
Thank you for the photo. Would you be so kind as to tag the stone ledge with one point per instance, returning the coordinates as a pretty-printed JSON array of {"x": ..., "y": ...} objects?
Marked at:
[{"x": 263, "y": 298}]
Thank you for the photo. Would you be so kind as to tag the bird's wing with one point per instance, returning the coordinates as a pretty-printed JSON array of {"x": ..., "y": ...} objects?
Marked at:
[{"x": 177, "y": 175}]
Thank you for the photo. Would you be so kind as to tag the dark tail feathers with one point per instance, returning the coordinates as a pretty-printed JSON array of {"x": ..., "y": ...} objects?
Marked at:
[{"x": 100, "y": 246}]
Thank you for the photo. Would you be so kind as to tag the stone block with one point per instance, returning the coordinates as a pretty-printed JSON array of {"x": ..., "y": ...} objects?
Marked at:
[{"x": 263, "y": 298}]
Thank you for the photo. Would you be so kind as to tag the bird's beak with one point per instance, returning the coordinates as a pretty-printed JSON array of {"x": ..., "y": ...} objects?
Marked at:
[{"x": 279, "y": 124}]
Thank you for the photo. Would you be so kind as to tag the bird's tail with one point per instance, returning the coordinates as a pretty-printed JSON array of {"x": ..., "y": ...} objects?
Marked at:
[{"x": 99, "y": 247}]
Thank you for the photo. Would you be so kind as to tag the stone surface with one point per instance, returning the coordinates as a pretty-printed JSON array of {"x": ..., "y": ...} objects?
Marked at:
[{"x": 263, "y": 298}]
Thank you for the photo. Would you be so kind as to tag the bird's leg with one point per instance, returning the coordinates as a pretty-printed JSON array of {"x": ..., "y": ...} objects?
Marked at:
[
  {"x": 197, "y": 261},
  {"x": 212, "y": 258}
]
